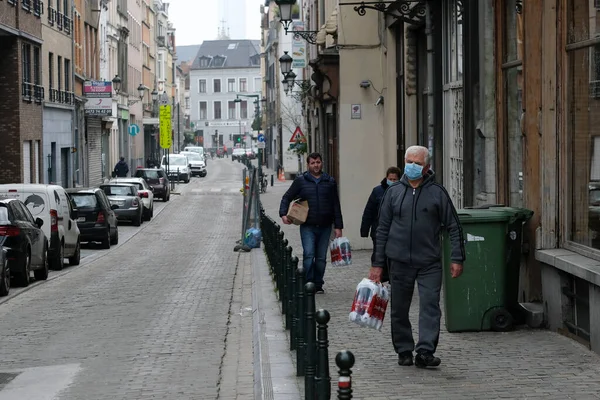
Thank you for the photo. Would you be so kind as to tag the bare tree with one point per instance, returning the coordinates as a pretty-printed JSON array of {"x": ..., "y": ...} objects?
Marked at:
[{"x": 293, "y": 119}]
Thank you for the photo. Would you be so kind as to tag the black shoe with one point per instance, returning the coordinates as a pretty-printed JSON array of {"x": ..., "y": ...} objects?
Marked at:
[
  {"x": 424, "y": 360},
  {"x": 319, "y": 290},
  {"x": 405, "y": 359}
]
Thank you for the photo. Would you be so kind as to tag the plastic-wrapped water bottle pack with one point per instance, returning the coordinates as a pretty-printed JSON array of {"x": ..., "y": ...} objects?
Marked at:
[{"x": 369, "y": 305}]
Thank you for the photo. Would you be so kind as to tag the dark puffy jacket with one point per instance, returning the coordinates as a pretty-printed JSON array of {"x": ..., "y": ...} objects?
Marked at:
[
  {"x": 322, "y": 196},
  {"x": 410, "y": 223},
  {"x": 121, "y": 169},
  {"x": 370, "y": 216}
]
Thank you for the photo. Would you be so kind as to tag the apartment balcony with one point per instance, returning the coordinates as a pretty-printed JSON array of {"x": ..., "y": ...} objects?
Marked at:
[
  {"x": 31, "y": 92},
  {"x": 61, "y": 96}
]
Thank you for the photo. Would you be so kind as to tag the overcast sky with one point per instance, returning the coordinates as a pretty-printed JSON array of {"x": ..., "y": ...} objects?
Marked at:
[{"x": 198, "y": 20}]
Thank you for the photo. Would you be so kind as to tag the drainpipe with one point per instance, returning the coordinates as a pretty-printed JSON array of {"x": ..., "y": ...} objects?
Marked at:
[{"x": 429, "y": 32}]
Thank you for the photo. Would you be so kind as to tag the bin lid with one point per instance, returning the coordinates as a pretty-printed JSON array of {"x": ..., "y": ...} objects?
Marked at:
[
  {"x": 494, "y": 213},
  {"x": 517, "y": 213},
  {"x": 474, "y": 216}
]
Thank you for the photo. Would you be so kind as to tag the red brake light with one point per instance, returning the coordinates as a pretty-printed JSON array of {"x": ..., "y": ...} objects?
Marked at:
[
  {"x": 100, "y": 219},
  {"x": 53, "y": 221},
  {"x": 143, "y": 194},
  {"x": 8, "y": 230}
]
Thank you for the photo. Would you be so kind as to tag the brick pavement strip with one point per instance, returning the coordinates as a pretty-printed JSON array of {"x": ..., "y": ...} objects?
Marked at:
[
  {"x": 162, "y": 317},
  {"x": 518, "y": 365}
]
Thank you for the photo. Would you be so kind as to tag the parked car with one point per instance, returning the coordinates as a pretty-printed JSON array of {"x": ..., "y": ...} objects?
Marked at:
[
  {"x": 4, "y": 270},
  {"x": 198, "y": 166},
  {"x": 238, "y": 154},
  {"x": 52, "y": 205},
  {"x": 157, "y": 179},
  {"x": 144, "y": 192},
  {"x": 125, "y": 197},
  {"x": 96, "y": 217},
  {"x": 196, "y": 149},
  {"x": 179, "y": 167},
  {"x": 25, "y": 243}
]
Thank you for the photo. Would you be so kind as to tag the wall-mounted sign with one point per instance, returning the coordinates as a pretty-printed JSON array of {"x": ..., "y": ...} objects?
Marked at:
[
  {"x": 298, "y": 46},
  {"x": 165, "y": 126},
  {"x": 227, "y": 123},
  {"x": 99, "y": 98},
  {"x": 356, "y": 111}
]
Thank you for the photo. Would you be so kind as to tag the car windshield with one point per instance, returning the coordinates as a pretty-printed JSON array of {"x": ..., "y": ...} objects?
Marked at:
[
  {"x": 194, "y": 157},
  {"x": 178, "y": 161},
  {"x": 118, "y": 190},
  {"x": 85, "y": 200}
]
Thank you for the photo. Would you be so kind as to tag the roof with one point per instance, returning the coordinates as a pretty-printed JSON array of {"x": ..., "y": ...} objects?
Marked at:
[
  {"x": 220, "y": 54},
  {"x": 187, "y": 53}
]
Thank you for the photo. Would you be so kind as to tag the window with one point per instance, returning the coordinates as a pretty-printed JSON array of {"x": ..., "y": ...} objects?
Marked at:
[
  {"x": 258, "y": 84},
  {"x": 231, "y": 110},
  {"x": 243, "y": 85},
  {"x": 202, "y": 110},
  {"x": 217, "y": 86},
  {"x": 59, "y": 62},
  {"x": 217, "y": 110},
  {"x": 26, "y": 62},
  {"x": 244, "y": 109},
  {"x": 202, "y": 86},
  {"x": 160, "y": 68},
  {"x": 453, "y": 42},
  {"x": 231, "y": 84},
  {"x": 50, "y": 70},
  {"x": 67, "y": 74},
  {"x": 583, "y": 109},
  {"x": 37, "y": 73},
  {"x": 187, "y": 103}
]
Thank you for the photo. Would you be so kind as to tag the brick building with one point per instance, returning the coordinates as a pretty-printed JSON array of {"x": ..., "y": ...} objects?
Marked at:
[{"x": 22, "y": 91}]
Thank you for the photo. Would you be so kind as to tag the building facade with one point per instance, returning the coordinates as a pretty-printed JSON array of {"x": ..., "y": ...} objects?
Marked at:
[
  {"x": 58, "y": 111},
  {"x": 23, "y": 92},
  {"x": 222, "y": 70}
]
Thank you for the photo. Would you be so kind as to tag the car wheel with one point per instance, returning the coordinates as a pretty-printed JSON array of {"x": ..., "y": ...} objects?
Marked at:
[
  {"x": 58, "y": 263},
  {"x": 5, "y": 280},
  {"x": 24, "y": 269},
  {"x": 138, "y": 220},
  {"x": 106, "y": 241},
  {"x": 76, "y": 257},
  {"x": 42, "y": 273},
  {"x": 115, "y": 238}
]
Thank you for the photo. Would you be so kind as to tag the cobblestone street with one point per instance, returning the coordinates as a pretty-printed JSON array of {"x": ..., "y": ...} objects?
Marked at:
[
  {"x": 166, "y": 315},
  {"x": 518, "y": 365}
]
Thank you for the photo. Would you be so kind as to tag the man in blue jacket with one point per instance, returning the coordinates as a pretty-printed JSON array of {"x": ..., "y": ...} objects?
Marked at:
[
  {"x": 320, "y": 191},
  {"x": 412, "y": 215},
  {"x": 370, "y": 215}
]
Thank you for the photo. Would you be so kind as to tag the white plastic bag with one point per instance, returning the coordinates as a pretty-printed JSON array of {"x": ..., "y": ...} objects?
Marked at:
[
  {"x": 369, "y": 305},
  {"x": 341, "y": 252}
]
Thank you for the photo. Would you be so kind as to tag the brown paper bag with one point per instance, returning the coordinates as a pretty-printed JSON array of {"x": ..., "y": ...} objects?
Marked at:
[{"x": 298, "y": 212}]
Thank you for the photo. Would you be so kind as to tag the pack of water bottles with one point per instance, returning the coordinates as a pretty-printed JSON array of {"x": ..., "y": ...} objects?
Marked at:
[
  {"x": 369, "y": 305},
  {"x": 341, "y": 253}
]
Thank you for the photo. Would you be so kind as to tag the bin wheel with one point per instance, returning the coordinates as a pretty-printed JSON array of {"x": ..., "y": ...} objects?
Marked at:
[{"x": 501, "y": 320}]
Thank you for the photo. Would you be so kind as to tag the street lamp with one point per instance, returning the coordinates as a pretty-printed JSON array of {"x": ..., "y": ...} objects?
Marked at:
[
  {"x": 286, "y": 86},
  {"x": 285, "y": 12},
  {"x": 289, "y": 80},
  {"x": 117, "y": 83},
  {"x": 141, "y": 90},
  {"x": 154, "y": 94},
  {"x": 285, "y": 62}
]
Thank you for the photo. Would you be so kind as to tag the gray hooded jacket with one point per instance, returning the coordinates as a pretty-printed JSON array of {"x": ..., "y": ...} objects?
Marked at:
[{"x": 411, "y": 221}]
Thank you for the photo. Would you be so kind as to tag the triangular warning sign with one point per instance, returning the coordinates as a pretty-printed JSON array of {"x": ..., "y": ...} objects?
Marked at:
[{"x": 297, "y": 135}]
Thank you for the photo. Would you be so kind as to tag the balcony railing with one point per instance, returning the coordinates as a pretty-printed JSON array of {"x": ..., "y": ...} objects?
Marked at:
[
  {"x": 38, "y": 8},
  {"x": 27, "y": 91},
  {"x": 61, "y": 96},
  {"x": 38, "y": 93},
  {"x": 12, "y": 2},
  {"x": 68, "y": 24},
  {"x": 59, "y": 20},
  {"x": 26, "y": 5}
]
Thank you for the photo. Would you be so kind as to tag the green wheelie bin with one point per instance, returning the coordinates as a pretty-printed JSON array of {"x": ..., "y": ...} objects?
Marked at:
[{"x": 485, "y": 296}]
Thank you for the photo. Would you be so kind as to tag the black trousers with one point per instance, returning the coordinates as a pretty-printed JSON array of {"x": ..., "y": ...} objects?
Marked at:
[{"x": 429, "y": 281}]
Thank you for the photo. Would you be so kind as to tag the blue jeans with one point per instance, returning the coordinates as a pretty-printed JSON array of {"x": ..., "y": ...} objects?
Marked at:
[{"x": 315, "y": 243}]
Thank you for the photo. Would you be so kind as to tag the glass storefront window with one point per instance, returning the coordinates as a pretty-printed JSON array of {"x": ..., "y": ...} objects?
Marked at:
[{"x": 583, "y": 122}]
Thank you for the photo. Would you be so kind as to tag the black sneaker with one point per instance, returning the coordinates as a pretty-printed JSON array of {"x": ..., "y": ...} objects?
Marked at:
[
  {"x": 405, "y": 359},
  {"x": 319, "y": 290},
  {"x": 424, "y": 360}
]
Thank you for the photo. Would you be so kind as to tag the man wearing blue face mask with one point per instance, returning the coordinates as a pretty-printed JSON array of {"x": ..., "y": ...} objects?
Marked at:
[
  {"x": 371, "y": 213},
  {"x": 412, "y": 215}
]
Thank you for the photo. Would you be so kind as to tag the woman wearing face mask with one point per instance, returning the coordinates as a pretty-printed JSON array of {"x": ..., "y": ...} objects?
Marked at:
[{"x": 371, "y": 213}]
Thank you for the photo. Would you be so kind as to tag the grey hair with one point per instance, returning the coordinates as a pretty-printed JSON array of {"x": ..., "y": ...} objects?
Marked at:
[{"x": 418, "y": 150}]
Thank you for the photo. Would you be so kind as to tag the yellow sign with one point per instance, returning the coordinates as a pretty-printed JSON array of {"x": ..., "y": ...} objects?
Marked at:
[{"x": 165, "y": 126}]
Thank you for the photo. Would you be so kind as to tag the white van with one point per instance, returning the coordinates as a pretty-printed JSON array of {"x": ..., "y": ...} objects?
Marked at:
[
  {"x": 196, "y": 149},
  {"x": 52, "y": 204}
]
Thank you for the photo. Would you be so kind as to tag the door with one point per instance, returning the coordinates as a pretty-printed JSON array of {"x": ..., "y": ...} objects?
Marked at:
[
  {"x": 36, "y": 161},
  {"x": 64, "y": 167},
  {"x": 27, "y": 161},
  {"x": 38, "y": 241}
]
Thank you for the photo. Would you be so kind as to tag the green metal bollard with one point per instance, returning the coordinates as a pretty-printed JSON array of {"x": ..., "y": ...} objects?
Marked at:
[
  {"x": 294, "y": 304},
  {"x": 284, "y": 284},
  {"x": 289, "y": 288},
  {"x": 279, "y": 259},
  {"x": 322, "y": 378},
  {"x": 301, "y": 323},
  {"x": 311, "y": 330}
]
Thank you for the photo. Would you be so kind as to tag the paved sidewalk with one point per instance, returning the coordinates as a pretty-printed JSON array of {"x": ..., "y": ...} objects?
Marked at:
[{"x": 518, "y": 365}]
